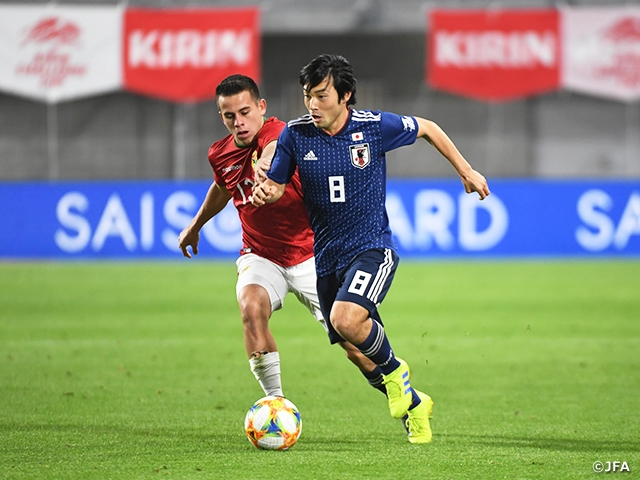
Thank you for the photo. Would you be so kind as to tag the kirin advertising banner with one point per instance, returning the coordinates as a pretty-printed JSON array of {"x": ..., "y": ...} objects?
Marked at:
[
  {"x": 494, "y": 54},
  {"x": 429, "y": 219},
  {"x": 60, "y": 53},
  {"x": 182, "y": 55}
]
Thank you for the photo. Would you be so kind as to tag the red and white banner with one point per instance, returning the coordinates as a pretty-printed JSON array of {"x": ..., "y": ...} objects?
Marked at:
[
  {"x": 495, "y": 55},
  {"x": 59, "y": 53},
  {"x": 602, "y": 52},
  {"x": 182, "y": 55}
]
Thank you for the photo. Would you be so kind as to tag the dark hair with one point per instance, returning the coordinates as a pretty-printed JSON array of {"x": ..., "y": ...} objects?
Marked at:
[
  {"x": 337, "y": 68},
  {"x": 235, "y": 84}
]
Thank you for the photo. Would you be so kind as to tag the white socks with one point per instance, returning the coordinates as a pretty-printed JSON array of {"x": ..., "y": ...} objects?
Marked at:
[{"x": 266, "y": 369}]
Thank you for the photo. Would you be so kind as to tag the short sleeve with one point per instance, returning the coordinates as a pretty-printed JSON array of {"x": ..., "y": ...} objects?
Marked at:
[
  {"x": 397, "y": 131},
  {"x": 283, "y": 164}
]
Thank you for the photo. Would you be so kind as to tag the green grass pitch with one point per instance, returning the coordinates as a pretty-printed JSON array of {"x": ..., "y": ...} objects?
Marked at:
[{"x": 138, "y": 370}]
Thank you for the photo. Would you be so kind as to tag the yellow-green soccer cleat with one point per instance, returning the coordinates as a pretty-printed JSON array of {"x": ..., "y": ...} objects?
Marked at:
[
  {"x": 418, "y": 421},
  {"x": 398, "y": 390}
]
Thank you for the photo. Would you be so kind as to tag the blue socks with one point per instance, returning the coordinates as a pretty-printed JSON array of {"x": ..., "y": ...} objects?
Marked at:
[
  {"x": 375, "y": 379},
  {"x": 377, "y": 348}
]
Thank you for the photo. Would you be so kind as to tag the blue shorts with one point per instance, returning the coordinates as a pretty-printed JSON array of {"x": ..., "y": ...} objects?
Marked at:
[{"x": 365, "y": 281}]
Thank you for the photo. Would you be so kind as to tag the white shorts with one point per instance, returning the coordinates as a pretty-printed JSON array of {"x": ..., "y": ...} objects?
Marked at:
[{"x": 278, "y": 281}]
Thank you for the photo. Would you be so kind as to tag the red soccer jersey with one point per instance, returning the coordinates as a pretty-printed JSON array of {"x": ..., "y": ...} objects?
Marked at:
[{"x": 280, "y": 231}]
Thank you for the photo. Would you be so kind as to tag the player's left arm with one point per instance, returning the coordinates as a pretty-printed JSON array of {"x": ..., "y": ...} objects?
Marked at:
[
  {"x": 264, "y": 162},
  {"x": 472, "y": 180}
]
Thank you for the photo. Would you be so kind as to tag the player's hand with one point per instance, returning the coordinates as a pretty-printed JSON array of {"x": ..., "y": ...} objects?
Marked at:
[
  {"x": 260, "y": 170},
  {"x": 262, "y": 193},
  {"x": 188, "y": 237},
  {"x": 475, "y": 182}
]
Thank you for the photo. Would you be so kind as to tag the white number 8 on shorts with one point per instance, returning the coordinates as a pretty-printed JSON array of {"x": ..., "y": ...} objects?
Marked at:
[{"x": 359, "y": 283}]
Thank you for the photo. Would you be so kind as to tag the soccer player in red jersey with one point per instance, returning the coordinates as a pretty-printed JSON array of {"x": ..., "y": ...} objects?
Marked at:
[{"x": 273, "y": 260}]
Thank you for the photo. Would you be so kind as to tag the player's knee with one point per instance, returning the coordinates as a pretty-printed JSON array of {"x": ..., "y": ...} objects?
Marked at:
[
  {"x": 255, "y": 306},
  {"x": 346, "y": 327},
  {"x": 348, "y": 318},
  {"x": 253, "y": 313},
  {"x": 341, "y": 325}
]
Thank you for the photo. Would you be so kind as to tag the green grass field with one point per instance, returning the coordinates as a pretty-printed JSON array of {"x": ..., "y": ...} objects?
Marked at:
[{"x": 133, "y": 370}]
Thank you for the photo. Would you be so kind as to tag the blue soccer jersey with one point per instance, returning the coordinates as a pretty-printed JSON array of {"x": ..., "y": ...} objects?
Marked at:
[{"x": 343, "y": 180}]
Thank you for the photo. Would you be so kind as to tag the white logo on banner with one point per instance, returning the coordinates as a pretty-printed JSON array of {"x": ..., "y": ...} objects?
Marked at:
[
  {"x": 495, "y": 48},
  {"x": 115, "y": 226},
  {"x": 168, "y": 49},
  {"x": 600, "y": 230},
  {"x": 434, "y": 217}
]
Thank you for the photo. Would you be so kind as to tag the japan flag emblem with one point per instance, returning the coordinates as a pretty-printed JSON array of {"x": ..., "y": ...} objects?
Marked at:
[{"x": 360, "y": 156}]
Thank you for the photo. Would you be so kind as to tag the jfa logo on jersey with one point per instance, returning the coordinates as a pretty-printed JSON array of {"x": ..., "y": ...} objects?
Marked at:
[
  {"x": 360, "y": 157},
  {"x": 408, "y": 124}
]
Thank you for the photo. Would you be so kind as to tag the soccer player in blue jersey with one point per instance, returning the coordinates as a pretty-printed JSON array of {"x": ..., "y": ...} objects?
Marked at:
[{"x": 340, "y": 156}]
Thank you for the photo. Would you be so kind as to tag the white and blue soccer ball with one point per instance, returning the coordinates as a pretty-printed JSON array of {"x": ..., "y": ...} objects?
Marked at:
[{"x": 273, "y": 423}]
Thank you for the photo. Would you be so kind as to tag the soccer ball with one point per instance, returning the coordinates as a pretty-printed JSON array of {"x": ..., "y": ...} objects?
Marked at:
[{"x": 273, "y": 423}]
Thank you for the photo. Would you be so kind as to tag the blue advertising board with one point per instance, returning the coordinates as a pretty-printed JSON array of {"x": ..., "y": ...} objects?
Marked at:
[{"x": 429, "y": 218}]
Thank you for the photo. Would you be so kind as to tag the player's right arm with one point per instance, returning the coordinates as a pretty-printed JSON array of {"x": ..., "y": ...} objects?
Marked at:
[
  {"x": 267, "y": 192},
  {"x": 263, "y": 164},
  {"x": 216, "y": 199},
  {"x": 280, "y": 173}
]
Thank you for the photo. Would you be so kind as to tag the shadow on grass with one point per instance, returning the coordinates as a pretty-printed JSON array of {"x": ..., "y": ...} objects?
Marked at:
[{"x": 557, "y": 444}]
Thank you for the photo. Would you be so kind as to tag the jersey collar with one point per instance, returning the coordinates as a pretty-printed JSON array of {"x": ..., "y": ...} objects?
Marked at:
[{"x": 344, "y": 126}]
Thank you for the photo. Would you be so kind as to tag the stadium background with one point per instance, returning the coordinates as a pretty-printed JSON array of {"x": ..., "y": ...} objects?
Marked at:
[
  {"x": 120, "y": 174},
  {"x": 137, "y": 369},
  {"x": 126, "y": 136}
]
